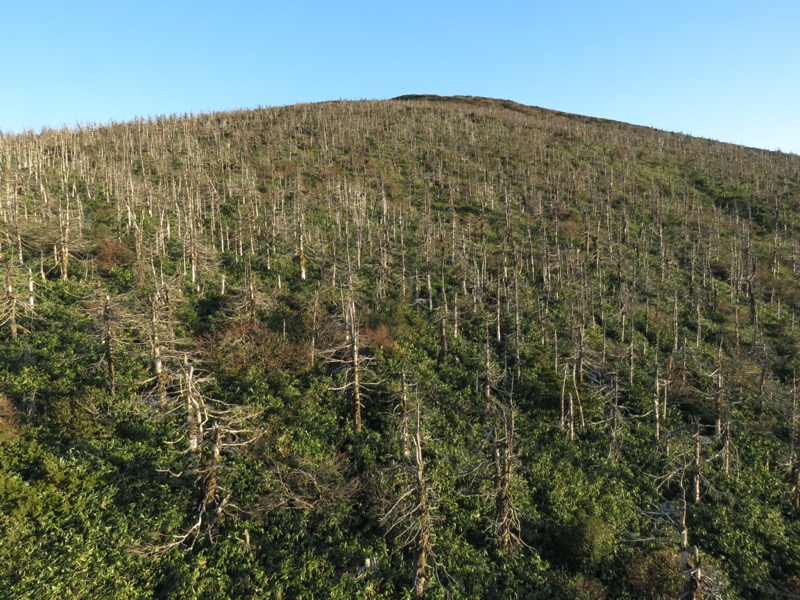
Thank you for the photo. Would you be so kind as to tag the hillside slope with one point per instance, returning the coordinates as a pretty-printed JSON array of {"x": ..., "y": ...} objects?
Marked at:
[{"x": 428, "y": 346}]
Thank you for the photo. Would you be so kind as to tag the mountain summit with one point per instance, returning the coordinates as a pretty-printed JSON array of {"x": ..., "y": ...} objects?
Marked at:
[{"x": 429, "y": 346}]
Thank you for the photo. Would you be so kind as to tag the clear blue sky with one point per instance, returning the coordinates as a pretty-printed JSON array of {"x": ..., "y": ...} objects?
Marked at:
[{"x": 727, "y": 70}]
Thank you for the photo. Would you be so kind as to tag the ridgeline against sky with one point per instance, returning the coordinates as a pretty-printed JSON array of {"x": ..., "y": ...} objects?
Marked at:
[{"x": 723, "y": 70}]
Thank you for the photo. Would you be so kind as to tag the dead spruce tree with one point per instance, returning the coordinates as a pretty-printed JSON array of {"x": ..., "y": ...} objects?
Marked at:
[
  {"x": 500, "y": 415},
  {"x": 246, "y": 301},
  {"x": 11, "y": 307},
  {"x": 507, "y": 526},
  {"x": 794, "y": 443},
  {"x": 615, "y": 418},
  {"x": 108, "y": 317},
  {"x": 681, "y": 486},
  {"x": 207, "y": 433},
  {"x": 670, "y": 524},
  {"x": 410, "y": 515},
  {"x": 348, "y": 359},
  {"x": 163, "y": 342}
]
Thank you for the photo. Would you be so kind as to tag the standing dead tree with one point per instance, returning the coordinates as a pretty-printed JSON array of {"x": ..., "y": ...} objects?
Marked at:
[
  {"x": 246, "y": 300},
  {"x": 680, "y": 485},
  {"x": 15, "y": 307},
  {"x": 507, "y": 525},
  {"x": 794, "y": 444},
  {"x": 670, "y": 522},
  {"x": 615, "y": 421},
  {"x": 10, "y": 307},
  {"x": 355, "y": 363},
  {"x": 107, "y": 316},
  {"x": 686, "y": 461},
  {"x": 568, "y": 401},
  {"x": 500, "y": 413},
  {"x": 162, "y": 340},
  {"x": 412, "y": 511},
  {"x": 211, "y": 432},
  {"x": 349, "y": 360}
]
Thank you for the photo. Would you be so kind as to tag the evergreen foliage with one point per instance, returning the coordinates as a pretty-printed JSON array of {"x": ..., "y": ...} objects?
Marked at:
[{"x": 439, "y": 347}]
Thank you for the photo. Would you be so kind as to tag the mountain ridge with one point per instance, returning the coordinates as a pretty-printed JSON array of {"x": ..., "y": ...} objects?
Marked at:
[
  {"x": 531, "y": 109},
  {"x": 422, "y": 346}
]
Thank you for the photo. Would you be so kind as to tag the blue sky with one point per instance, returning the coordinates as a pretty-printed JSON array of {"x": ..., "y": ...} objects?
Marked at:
[{"x": 725, "y": 70}]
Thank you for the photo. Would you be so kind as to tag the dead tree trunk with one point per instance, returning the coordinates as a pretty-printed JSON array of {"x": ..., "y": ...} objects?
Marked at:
[
  {"x": 692, "y": 573},
  {"x": 656, "y": 404},
  {"x": 424, "y": 536},
  {"x": 355, "y": 365},
  {"x": 212, "y": 505},
  {"x": 313, "y": 345},
  {"x": 404, "y": 445},
  {"x": 507, "y": 524},
  {"x": 301, "y": 252},
  {"x": 412, "y": 514},
  {"x": 64, "y": 246},
  {"x": 726, "y": 440},
  {"x": 614, "y": 421},
  {"x": 696, "y": 465},
  {"x": 517, "y": 322},
  {"x": 156, "y": 348},
  {"x": 795, "y": 446},
  {"x": 562, "y": 421},
  {"x": 487, "y": 376},
  {"x": 443, "y": 348},
  {"x": 108, "y": 354},
  {"x": 11, "y": 306},
  {"x": 195, "y": 419},
  {"x": 31, "y": 297},
  {"x": 571, "y": 420}
]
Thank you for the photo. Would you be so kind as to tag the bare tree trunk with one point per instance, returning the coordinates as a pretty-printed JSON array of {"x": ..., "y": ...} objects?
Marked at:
[
  {"x": 726, "y": 442},
  {"x": 455, "y": 315},
  {"x": 579, "y": 354},
  {"x": 63, "y": 251},
  {"x": 699, "y": 319},
  {"x": 158, "y": 365},
  {"x": 562, "y": 422},
  {"x": 697, "y": 465},
  {"x": 107, "y": 346},
  {"x": 211, "y": 460},
  {"x": 517, "y": 322},
  {"x": 675, "y": 322},
  {"x": 355, "y": 365},
  {"x": 487, "y": 385},
  {"x": 684, "y": 553},
  {"x": 404, "y": 418},
  {"x": 719, "y": 396},
  {"x": 613, "y": 422},
  {"x": 578, "y": 398},
  {"x": 443, "y": 333},
  {"x": 666, "y": 389},
  {"x": 313, "y": 351},
  {"x": 430, "y": 292},
  {"x": 794, "y": 457},
  {"x": 656, "y": 405},
  {"x": 571, "y": 420},
  {"x": 302, "y": 257},
  {"x": 11, "y": 300},
  {"x": 194, "y": 410},
  {"x": 506, "y": 521},
  {"x": 424, "y": 541},
  {"x": 31, "y": 297}
]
